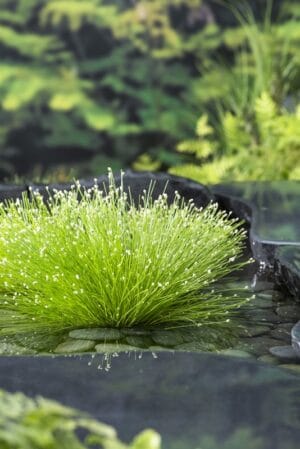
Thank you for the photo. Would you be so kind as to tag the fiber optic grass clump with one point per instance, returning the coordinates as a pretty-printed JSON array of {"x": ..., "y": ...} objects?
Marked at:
[{"x": 105, "y": 261}]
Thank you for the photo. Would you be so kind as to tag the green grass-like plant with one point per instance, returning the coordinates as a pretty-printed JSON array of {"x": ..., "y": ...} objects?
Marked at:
[{"x": 107, "y": 261}]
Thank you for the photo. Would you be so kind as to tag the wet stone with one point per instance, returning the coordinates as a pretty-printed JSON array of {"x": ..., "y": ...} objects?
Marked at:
[
  {"x": 236, "y": 353},
  {"x": 240, "y": 284},
  {"x": 263, "y": 316},
  {"x": 262, "y": 345},
  {"x": 110, "y": 348},
  {"x": 257, "y": 346},
  {"x": 254, "y": 331},
  {"x": 139, "y": 341},
  {"x": 196, "y": 346},
  {"x": 13, "y": 349},
  {"x": 74, "y": 346},
  {"x": 39, "y": 342},
  {"x": 284, "y": 353},
  {"x": 262, "y": 303},
  {"x": 268, "y": 359},
  {"x": 291, "y": 312},
  {"x": 287, "y": 326},
  {"x": 157, "y": 348},
  {"x": 295, "y": 335},
  {"x": 291, "y": 367},
  {"x": 264, "y": 286},
  {"x": 98, "y": 334},
  {"x": 168, "y": 338},
  {"x": 281, "y": 333},
  {"x": 135, "y": 331},
  {"x": 274, "y": 295},
  {"x": 203, "y": 333}
]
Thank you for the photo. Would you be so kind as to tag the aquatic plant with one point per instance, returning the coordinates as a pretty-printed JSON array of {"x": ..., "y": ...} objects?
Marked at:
[
  {"x": 108, "y": 261},
  {"x": 40, "y": 423}
]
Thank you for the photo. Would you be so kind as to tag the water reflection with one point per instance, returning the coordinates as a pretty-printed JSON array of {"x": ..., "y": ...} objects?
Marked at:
[
  {"x": 263, "y": 323},
  {"x": 275, "y": 205},
  {"x": 188, "y": 398}
]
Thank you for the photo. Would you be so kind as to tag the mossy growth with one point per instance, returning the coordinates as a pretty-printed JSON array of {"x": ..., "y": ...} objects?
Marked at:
[{"x": 105, "y": 261}]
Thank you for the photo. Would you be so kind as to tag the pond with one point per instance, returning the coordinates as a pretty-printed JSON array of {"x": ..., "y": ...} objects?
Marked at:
[
  {"x": 245, "y": 394},
  {"x": 188, "y": 398}
]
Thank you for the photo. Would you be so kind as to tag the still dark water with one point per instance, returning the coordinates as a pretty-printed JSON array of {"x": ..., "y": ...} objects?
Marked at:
[{"x": 196, "y": 401}]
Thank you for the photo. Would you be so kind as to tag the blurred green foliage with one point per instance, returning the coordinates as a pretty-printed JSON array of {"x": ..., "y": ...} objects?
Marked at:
[
  {"x": 41, "y": 423},
  {"x": 123, "y": 83},
  {"x": 265, "y": 148},
  {"x": 106, "y": 77},
  {"x": 249, "y": 125}
]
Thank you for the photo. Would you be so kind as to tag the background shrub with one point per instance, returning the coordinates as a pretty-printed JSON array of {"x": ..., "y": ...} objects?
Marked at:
[
  {"x": 84, "y": 85},
  {"x": 41, "y": 423}
]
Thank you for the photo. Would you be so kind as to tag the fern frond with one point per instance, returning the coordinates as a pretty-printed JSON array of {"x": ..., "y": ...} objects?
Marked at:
[
  {"x": 76, "y": 12},
  {"x": 235, "y": 133},
  {"x": 28, "y": 44},
  {"x": 203, "y": 128},
  {"x": 208, "y": 173},
  {"x": 265, "y": 108}
]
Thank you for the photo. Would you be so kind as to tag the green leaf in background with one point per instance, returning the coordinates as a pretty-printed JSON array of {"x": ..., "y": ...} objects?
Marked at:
[
  {"x": 98, "y": 119},
  {"x": 41, "y": 423},
  {"x": 147, "y": 439},
  {"x": 254, "y": 109}
]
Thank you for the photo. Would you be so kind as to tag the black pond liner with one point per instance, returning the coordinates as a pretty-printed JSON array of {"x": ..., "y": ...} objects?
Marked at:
[
  {"x": 272, "y": 211},
  {"x": 287, "y": 269},
  {"x": 133, "y": 182},
  {"x": 185, "y": 396}
]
